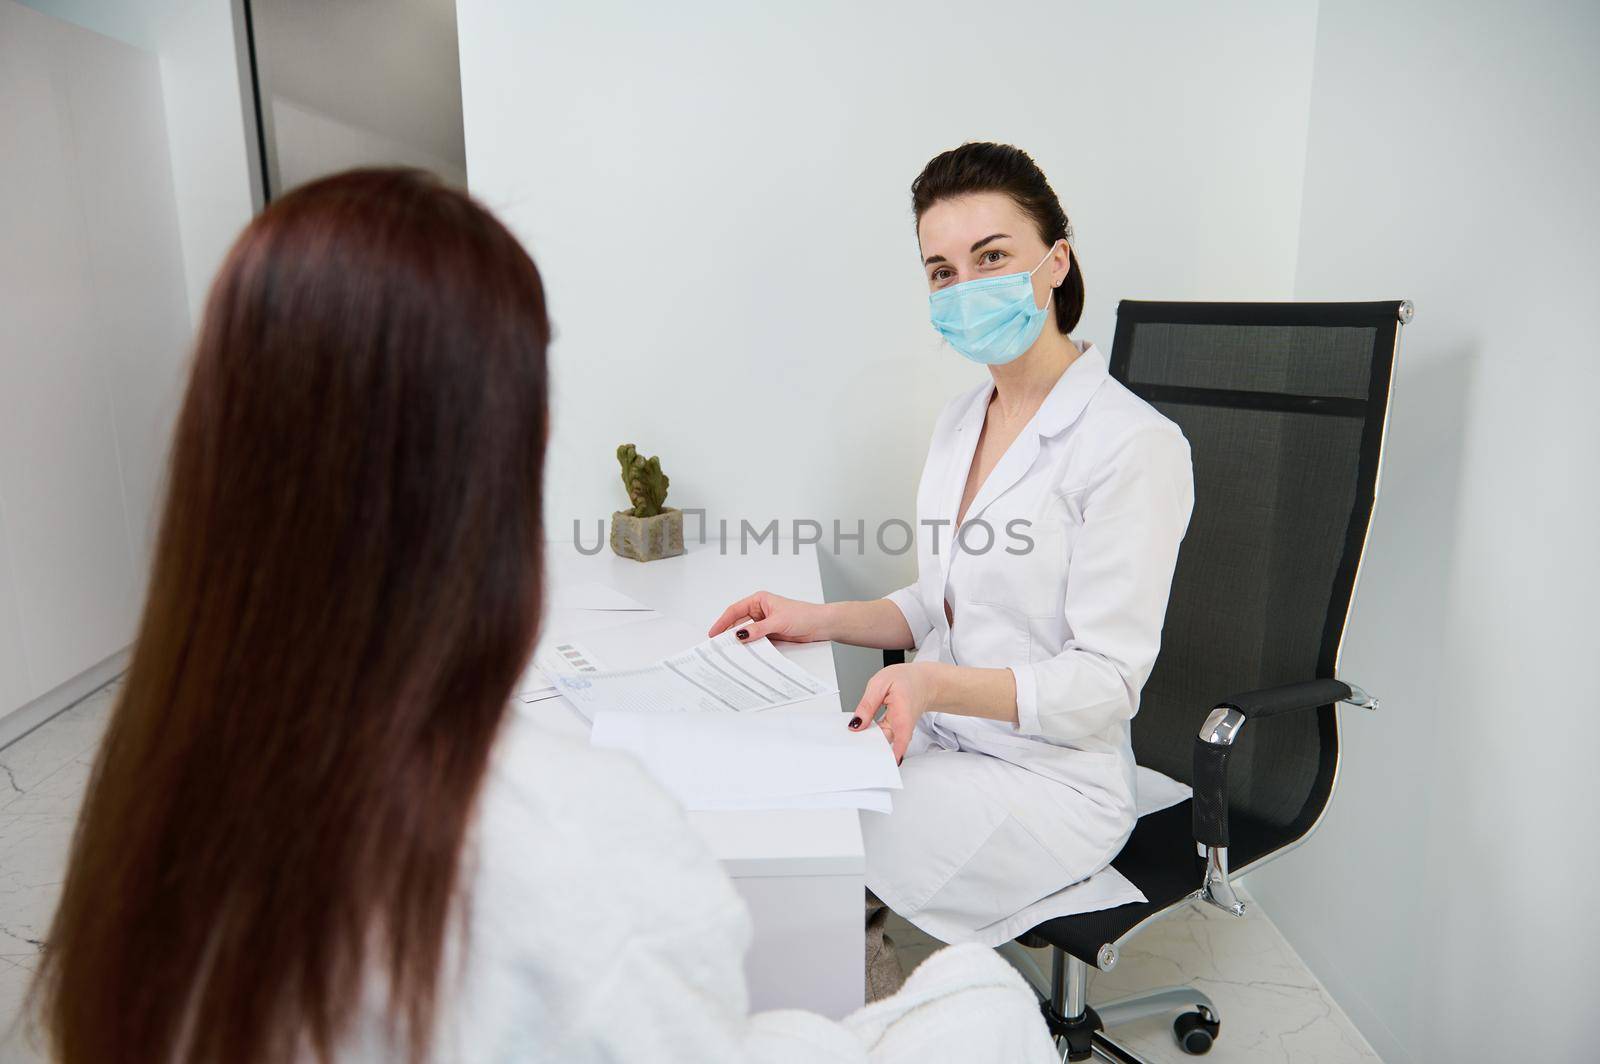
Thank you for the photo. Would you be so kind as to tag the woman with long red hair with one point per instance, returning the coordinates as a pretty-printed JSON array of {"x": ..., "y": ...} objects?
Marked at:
[{"x": 314, "y": 831}]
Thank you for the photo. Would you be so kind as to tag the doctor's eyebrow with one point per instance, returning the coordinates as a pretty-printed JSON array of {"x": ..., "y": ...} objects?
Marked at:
[{"x": 931, "y": 259}]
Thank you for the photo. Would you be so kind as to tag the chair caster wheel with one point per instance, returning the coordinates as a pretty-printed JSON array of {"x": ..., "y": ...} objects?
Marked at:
[{"x": 1195, "y": 1032}]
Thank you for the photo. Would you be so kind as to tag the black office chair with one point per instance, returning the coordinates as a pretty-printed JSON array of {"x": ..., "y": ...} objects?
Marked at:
[{"x": 1284, "y": 406}]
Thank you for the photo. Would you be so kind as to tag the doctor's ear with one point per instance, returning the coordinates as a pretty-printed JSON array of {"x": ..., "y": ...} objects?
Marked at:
[{"x": 1060, "y": 263}]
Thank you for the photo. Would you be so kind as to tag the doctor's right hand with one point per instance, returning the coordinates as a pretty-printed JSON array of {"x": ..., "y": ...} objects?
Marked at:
[
  {"x": 905, "y": 692},
  {"x": 773, "y": 615}
]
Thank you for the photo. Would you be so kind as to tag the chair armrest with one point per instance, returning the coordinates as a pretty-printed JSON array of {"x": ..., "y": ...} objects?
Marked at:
[
  {"x": 1212, "y": 748},
  {"x": 1271, "y": 701}
]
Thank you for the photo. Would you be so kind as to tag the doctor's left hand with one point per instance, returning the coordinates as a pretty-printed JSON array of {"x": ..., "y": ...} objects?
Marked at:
[{"x": 908, "y": 692}]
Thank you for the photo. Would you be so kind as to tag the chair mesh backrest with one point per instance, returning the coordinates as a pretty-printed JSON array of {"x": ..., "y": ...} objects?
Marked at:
[{"x": 1283, "y": 406}]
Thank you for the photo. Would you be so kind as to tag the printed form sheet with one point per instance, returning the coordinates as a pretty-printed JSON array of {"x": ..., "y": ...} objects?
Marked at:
[{"x": 720, "y": 675}]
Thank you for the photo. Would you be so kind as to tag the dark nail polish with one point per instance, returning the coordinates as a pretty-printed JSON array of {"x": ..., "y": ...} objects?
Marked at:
[
  {"x": 743, "y": 633},
  {"x": 855, "y": 723}
]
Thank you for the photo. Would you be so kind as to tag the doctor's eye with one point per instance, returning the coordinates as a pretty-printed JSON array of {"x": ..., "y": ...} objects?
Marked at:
[
  {"x": 985, "y": 260},
  {"x": 941, "y": 275}
]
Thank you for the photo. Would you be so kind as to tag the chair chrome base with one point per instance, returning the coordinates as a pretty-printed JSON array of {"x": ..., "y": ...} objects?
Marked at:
[
  {"x": 1155, "y": 1002},
  {"x": 1080, "y": 1031}
]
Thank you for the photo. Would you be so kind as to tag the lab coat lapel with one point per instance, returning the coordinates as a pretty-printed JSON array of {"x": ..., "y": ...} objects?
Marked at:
[
  {"x": 1060, "y": 409},
  {"x": 962, "y": 448},
  {"x": 1067, "y": 398},
  {"x": 1017, "y": 460}
]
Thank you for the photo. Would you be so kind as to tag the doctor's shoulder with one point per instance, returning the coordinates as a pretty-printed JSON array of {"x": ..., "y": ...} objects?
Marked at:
[{"x": 1120, "y": 423}]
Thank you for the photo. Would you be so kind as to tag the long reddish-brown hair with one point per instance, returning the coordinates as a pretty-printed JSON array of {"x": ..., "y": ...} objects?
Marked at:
[{"x": 346, "y": 584}]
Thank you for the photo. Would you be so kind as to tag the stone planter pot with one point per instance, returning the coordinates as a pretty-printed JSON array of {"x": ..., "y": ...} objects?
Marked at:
[{"x": 647, "y": 538}]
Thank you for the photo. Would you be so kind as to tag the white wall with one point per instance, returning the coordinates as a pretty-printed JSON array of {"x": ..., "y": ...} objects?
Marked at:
[
  {"x": 206, "y": 114},
  {"x": 199, "y": 46},
  {"x": 1447, "y": 900},
  {"x": 96, "y": 323},
  {"x": 126, "y": 172},
  {"x": 135, "y": 22},
  {"x": 719, "y": 204}
]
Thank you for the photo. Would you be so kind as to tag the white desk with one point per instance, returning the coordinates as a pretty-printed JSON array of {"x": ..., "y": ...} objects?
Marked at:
[{"x": 800, "y": 871}]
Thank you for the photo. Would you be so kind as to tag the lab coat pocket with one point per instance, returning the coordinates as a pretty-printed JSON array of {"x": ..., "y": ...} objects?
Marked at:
[{"x": 1027, "y": 569}]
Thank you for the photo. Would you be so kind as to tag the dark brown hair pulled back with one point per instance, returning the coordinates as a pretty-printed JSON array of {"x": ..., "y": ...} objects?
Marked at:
[{"x": 981, "y": 166}]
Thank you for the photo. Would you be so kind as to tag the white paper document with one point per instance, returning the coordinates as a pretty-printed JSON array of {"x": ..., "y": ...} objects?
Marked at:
[
  {"x": 553, "y": 658},
  {"x": 561, "y": 626},
  {"x": 720, "y": 675},
  {"x": 770, "y": 761},
  {"x": 873, "y": 799},
  {"x": 591, "y": 595},
  {"x": 581, "y": 608},
  {"x": 560, "y": 622}
]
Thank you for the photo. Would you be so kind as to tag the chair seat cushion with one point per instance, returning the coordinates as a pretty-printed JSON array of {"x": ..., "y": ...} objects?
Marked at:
[{"x": 1161, "y": 860}]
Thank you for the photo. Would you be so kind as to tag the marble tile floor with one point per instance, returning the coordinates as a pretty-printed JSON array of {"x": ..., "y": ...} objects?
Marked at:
[
  {"x": 1272, "y": 1008},
  {"x": 42, "y": 776}
]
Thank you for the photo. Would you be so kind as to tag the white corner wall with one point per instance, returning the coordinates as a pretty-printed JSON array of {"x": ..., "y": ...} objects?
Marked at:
[
  {"x": 208, "y": 119},
  {"x": 97, "y": 321},
  {"x": 1446, "y": 900},
  {"x": 109, "y": 232},
  {"x": 718, "y": 199}
]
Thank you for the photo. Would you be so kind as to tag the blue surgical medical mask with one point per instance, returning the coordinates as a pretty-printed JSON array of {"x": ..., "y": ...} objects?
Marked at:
[{"x": 991, "y": 320}]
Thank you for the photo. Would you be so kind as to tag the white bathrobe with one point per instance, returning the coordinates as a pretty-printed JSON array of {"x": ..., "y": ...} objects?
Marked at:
[
  {"x": 601, "y": 929},
  {"x": 1060, "y": 573}
]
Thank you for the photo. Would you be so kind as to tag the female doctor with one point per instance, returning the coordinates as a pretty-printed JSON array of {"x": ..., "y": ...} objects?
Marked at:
[{"x": 1050, "y": 512}]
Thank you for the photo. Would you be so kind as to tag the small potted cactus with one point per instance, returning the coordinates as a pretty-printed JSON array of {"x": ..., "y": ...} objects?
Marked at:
[{"x": 650, "y": 530}]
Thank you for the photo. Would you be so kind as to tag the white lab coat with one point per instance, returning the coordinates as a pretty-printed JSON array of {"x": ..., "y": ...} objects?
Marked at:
[
  {"x": 995, "y": 818},
  {"x": 598, "y": 927}
]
